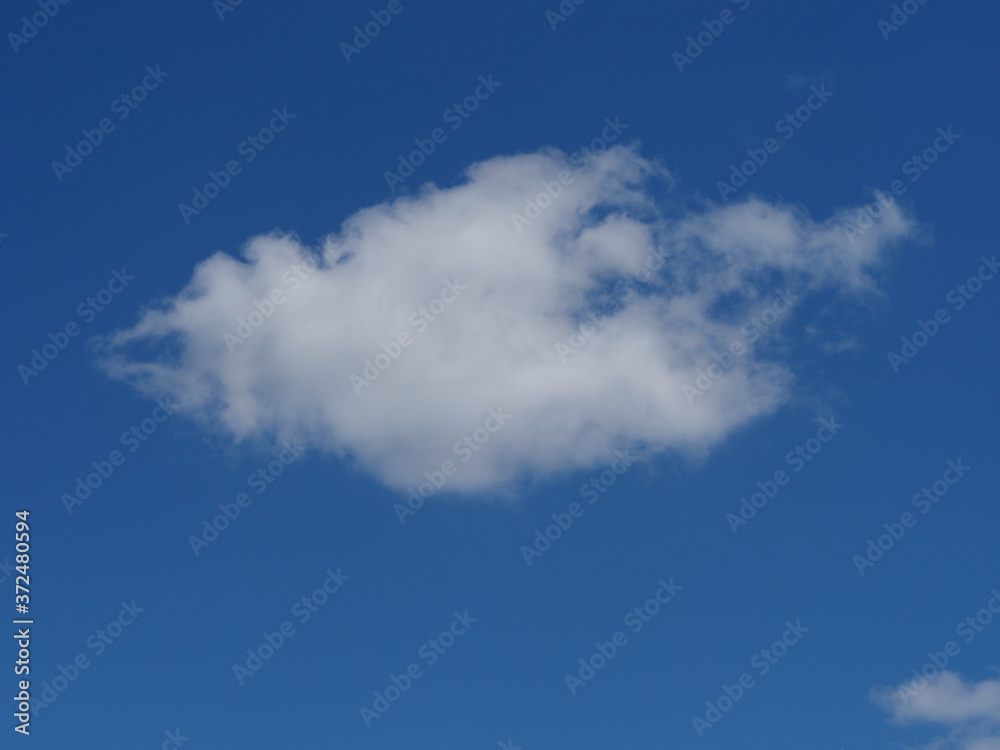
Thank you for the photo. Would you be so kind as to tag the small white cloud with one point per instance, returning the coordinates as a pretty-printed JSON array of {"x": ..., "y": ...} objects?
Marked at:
[
  {"x": 971, "y": 711},
  {"x": 517, "y": 292}
]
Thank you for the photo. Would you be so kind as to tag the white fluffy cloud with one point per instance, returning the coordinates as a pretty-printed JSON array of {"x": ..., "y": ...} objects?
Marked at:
[
  {"x": 970, "y": 711},
  {"x": 505, "y": 331}
]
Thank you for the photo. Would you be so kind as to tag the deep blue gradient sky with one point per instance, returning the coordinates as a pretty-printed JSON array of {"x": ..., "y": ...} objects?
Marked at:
[{"x": 665, "y": 517}]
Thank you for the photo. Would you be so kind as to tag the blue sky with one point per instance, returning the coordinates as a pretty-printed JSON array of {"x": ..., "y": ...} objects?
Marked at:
[{"x": 566, "y": 269}]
